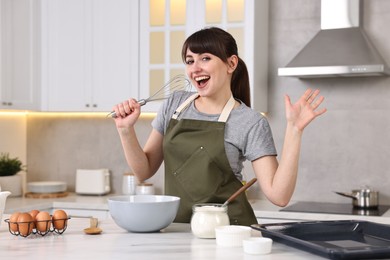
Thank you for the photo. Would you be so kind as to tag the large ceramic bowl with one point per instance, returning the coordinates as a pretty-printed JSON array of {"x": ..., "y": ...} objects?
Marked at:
[{"x": 143, "y": 213}]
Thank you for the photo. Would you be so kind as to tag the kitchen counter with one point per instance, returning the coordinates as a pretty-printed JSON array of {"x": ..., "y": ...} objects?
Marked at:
[
  {"x": 176, "y": 241},
  {"x": 263, "y": 209}
]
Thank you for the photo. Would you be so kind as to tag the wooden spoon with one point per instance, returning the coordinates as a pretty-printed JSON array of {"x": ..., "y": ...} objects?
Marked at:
[
  {"x": 93, "y": 229},
  {"x": 243, "y": 188}
]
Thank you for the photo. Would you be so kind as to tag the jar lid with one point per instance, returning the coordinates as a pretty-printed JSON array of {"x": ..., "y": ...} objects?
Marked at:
[
  {"x": 145, "y": 184},
  {"x": 209, "y": 207}
]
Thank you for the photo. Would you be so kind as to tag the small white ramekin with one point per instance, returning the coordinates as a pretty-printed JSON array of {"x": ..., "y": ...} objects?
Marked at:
[
  {"x": 257, "y": 245},
  {"x": 232, "y": 235}
]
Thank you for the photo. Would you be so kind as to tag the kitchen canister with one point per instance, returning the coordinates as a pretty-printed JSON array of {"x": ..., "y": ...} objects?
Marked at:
[
  {"x": 206, "y": 217},
  {"x": 129, "y": 184},
  {"x": 145, "y": 188}
]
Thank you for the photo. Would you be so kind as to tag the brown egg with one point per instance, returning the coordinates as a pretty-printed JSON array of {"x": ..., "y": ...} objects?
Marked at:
[
  {"x": 12, "y": 221},
  {"x": 43, "y": 221},
  {"x": 25, "y": 222},
  {"x": 59, "y": 219},
  {"x": 33, "y": 214}
]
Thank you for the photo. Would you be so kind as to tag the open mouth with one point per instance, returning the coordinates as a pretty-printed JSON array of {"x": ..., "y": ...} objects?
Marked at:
[{"x": 202, "y": 80}]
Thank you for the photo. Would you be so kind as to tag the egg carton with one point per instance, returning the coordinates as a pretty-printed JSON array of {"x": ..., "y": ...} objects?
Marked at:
[{"x": 30, "y": 227}]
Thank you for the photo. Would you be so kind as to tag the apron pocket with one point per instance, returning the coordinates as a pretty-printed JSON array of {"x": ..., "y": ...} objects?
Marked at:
[{"x": 199, "y": 176}]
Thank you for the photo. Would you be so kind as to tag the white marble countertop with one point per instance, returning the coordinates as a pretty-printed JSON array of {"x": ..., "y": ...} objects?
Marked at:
[
  {"x": 263, "y": 209},
  {"x": 176, "y": 241},
  {"x": 71, "y": 201},
  {"x": 266, "y": 210}
]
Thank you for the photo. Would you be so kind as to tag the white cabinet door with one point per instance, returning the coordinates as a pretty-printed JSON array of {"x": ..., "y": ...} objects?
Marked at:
[
  {"x": 66, "y": 56},
  {"x": 91, "y": 54},
  {"x": 115, "y": 52},
  {"x": 18, "y": 84}
]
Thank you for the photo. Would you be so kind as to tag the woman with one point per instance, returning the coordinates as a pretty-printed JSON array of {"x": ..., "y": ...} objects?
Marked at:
[{"x": 204, "y": 138}]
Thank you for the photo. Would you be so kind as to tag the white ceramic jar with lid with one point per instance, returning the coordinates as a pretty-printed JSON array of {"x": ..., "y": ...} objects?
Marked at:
[
  {"x": 129, "y": 184},
  {"x": 206, "y": 217},
  {"x": 145, "y": 188}
]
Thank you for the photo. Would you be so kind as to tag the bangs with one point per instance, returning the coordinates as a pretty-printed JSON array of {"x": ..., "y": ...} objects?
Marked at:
[{"x": 204, "y": 41}]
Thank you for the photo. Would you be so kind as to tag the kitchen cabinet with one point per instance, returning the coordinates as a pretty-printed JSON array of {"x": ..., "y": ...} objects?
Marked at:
[
  {"x": 68, "y": 55},
  {"x": 164, "y": 26},
  {"x": 89, "y": 54},
  {"x": 19, "y": 88}
]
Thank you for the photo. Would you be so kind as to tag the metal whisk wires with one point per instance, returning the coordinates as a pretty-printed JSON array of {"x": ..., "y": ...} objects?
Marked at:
[{"x": 178, "y": 82}]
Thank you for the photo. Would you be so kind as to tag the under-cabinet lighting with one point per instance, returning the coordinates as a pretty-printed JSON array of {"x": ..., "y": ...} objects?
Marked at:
[
  {"x": 12, "y": 113},
  {"x": 145, "y": 115}
]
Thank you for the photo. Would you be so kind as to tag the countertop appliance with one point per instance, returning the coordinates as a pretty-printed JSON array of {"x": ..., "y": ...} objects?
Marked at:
[
  {"x": 335, "y": 208},
  {"x": 92, "y": 181}
]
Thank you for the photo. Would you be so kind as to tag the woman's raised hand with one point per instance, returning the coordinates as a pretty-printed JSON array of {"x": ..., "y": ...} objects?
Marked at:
[
  {"x": 301, "y": 113},
  {"x": 127, "y": 113}
]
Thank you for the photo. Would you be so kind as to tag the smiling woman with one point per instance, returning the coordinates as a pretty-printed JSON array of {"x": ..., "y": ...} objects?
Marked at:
[{"x": 204, "y": 137}]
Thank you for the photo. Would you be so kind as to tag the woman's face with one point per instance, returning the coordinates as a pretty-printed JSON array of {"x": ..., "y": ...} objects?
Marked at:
[{"x": 208, "y": 73}]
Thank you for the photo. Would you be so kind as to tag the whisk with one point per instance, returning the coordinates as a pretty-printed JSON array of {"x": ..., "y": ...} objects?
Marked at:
[{"x": 178, "y": 82}]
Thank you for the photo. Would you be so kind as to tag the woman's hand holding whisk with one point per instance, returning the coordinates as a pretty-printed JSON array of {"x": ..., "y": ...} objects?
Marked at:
[
  {"x": 127, "y": 113},
  {"x": 179, "y": 82}
]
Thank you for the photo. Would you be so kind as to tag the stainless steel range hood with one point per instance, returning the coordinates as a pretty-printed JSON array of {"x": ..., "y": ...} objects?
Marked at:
[{"x": 340, "y": 48}]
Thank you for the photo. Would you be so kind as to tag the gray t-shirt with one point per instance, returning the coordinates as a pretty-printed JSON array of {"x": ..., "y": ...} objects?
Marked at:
[{"x": 248, "y": 135}]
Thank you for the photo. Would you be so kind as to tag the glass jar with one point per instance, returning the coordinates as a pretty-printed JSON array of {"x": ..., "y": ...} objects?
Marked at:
[
  {"x": 206, "y": 217},
  {"x": 128, "y": 184}
]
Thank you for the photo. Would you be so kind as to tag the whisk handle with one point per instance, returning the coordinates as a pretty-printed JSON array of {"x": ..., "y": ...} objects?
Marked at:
[
  {"x": 113, "y": 114},
  {"x": 141, "y": 102}
]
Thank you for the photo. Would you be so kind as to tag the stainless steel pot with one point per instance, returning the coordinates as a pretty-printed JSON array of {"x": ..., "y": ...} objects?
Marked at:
[{"x": 363, "y": 198}]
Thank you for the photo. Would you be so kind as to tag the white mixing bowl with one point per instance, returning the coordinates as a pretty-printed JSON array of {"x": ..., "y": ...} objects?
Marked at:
[{"x": 143, "y": 213}]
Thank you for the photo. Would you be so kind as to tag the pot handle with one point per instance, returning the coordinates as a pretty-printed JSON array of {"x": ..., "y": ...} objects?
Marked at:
[{"x": 349, "y": 195}]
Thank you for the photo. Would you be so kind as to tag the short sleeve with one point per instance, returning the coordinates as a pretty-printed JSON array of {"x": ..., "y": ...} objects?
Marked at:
[{"x": 259, "y": 141}]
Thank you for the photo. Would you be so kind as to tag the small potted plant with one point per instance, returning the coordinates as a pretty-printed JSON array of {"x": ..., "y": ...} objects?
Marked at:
[{"x": 10, "y": 180}]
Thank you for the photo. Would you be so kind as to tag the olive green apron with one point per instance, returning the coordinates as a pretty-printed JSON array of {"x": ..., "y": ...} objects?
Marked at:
[{"x": 197, "y": 169}]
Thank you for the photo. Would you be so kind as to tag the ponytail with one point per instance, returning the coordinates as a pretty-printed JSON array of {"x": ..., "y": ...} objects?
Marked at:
[{"x": 240, "y": 83}]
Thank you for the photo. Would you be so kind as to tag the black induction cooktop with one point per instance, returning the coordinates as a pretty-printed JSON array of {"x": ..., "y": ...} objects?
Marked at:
[{"x": 335, "y": 208}]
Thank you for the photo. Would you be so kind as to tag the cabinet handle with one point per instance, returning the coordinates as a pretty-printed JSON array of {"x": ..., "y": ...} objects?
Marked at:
[
  {"x": 94, "y": 105},
  {"x": 86, "y": 105},
  {"x": 9, "y": 103},
  {"x": 4, "y": 103}
]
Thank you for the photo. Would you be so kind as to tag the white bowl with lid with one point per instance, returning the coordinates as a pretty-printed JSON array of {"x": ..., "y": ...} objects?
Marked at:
[
  {"x": 232, "y": 235},
  {"x": 257, "y": 245}
]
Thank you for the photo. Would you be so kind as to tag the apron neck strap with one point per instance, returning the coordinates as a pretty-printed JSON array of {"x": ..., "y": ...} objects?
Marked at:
[
  {"x": 227, "y": 109},
  {"x": 222, "y": 118},
  {"x": 185, "y": 104}
]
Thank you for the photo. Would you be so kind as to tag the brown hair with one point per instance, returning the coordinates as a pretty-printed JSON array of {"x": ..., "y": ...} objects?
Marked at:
[{"x": 221, "y": 44}]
